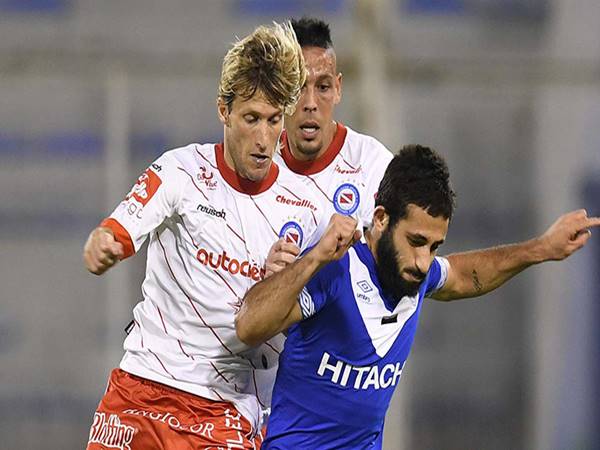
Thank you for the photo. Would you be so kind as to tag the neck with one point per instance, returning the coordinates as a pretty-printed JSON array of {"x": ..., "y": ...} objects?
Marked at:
[
  {"x": 227, "y": 152},
  {"x": 371, "y": 243}
]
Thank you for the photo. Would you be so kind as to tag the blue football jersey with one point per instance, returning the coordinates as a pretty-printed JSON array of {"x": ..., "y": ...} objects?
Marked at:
[{"x": 340, "y": 365}]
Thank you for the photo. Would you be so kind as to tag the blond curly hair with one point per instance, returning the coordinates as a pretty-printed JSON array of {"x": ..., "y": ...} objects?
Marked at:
[{"x": 268, "y": 61}]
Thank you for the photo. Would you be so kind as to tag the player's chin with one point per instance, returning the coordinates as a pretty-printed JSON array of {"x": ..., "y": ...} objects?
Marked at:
[
  {"x": 411, "y": 283},
  {"x": 257, "y": 174},
  {"x": 310, "y": 146}
]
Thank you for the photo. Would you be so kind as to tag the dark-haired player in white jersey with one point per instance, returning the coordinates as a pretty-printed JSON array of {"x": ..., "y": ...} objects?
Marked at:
[
  {"x": 352, "y": 308},
  {"x": 210, "y": 212},
  {"x": 341, "y": 166}
]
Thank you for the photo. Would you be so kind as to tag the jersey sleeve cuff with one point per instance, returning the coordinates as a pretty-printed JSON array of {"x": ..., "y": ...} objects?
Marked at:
[
  {"x": 121, "y": 235},
  {"x": 444, "y": 265}
]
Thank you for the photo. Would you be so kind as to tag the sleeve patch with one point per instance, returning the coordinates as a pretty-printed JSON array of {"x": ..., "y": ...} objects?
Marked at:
[
  {"x": 307, "y": 305},
  {"x": 145, "y": 188}
]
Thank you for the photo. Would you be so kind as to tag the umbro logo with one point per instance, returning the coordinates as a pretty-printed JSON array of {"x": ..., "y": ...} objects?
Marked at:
[{"x": 365, "y": 286}]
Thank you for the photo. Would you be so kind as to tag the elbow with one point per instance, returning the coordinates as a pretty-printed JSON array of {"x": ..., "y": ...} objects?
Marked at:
[{"x": 244, "y": 331}]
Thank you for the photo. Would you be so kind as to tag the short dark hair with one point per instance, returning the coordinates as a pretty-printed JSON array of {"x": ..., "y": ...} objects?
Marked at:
[
  {"x": 416, "y": 175},
  {"x": 312, "y": 32}
]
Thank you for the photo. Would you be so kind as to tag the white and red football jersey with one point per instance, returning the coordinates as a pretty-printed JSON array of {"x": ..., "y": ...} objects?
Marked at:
[
  {"x": 346, "y": 177},
  {"x": 209, "y": 235}
]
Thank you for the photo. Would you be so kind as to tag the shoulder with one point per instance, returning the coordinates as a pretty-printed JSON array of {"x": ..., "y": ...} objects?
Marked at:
[
  {"x": 366, "y": 152},
  {"x": 192, "y": 160},
  {"x": 179, "y": 167},
  {"x": 324, "y": 288},
  {"x": 191, "y": 156},
  {"x": 334, "y": 271},
  {"x": 366, "y": 146},
  {"x": 436, "y": 275}
]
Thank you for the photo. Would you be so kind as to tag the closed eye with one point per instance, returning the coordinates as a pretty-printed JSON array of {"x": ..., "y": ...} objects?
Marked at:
[
  {"x": 275, "y": 119},
  {"x": 417, "y": 242}
]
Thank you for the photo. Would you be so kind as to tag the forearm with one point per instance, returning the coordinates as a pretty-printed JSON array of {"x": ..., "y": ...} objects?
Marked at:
[
  {"x": 481, "y": 271},
  {"x": 268, "y": 307}
]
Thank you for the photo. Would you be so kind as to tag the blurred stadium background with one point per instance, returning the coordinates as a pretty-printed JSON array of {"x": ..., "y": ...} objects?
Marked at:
[{"x": 508, "y": 90}]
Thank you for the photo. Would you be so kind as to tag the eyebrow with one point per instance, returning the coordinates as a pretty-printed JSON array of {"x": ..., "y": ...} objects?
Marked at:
[
  {"x": 325, "y": 76},
  {"x": 420, "y": 238},
  {"x": 254, "y": 112}
]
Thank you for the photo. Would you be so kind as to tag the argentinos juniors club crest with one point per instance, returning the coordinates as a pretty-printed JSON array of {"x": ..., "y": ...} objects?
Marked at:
[
  {"x": 346, "y": 199},
  {"x": 292, "y": 232}
]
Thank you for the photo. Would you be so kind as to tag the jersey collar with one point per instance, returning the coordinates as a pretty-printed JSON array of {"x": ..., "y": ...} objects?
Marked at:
[
  {"x": 315, "y": 166},
  {"x": 240, "y": 184},
  {"x": 368, "y": 259}
]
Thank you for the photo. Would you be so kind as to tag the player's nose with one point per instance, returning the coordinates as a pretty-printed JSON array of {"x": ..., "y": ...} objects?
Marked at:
[
  {"x": 422, "y": 263},
  {"x": 308, "y": 99},
  {"x": 262, "y": 138}
]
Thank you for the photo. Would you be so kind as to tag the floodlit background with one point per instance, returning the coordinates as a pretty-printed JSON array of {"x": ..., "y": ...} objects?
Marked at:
[{"x": 507, "y": 90}]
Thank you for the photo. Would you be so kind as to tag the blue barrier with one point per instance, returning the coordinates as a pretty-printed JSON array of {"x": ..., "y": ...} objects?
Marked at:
[
  {"x": 293, "y": 7},
  {"x": 75, "y": 144},
  {"x": 35, "y": 6}
]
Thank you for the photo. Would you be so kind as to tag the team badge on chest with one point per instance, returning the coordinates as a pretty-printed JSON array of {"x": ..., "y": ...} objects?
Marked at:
[
  {"x": 346, "y": 199},
  {"x": 292, "y": 232}
]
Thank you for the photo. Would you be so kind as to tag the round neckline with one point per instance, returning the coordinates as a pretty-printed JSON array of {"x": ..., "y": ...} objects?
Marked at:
[{"x": 317, "y": 165}]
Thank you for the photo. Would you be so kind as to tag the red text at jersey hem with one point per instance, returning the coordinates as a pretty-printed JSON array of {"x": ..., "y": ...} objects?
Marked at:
[
  {"x": 312, "y": 167},
  {"x": 241, "y": 184},
  {"x": 121, "y": 235}
]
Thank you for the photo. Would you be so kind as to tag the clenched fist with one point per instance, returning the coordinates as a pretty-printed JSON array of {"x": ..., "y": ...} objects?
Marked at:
[
  {"x": 101, "y": 251},
  {"x": 340, "y": 234},
  {"x": 280, "y": 255}
]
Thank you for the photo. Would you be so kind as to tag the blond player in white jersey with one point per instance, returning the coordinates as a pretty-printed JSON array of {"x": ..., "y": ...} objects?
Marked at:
[
  {"x": 341, "y": 166},
  {"x": 210, "y": 212}
]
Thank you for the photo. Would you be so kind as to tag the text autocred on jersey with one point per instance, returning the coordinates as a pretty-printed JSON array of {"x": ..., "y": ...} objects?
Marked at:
[
  {"x": 232, "y": 265},
  {"x": 365, "y": 377}
]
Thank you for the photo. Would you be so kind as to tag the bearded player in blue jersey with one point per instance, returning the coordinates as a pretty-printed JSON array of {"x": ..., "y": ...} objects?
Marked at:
[{"x": 351, "y": 305}]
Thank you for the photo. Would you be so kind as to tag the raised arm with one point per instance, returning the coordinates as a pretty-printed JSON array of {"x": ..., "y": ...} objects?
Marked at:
[
  {"x": 271, "y": 305},
  {"x": 477, "y": 272}
]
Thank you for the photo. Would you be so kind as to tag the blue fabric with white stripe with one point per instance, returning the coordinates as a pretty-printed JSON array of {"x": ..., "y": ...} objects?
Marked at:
[{"x": 340, "y": 365}]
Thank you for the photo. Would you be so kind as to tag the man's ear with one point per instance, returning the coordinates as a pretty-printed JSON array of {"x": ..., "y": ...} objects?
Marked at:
[
  {"x": 381, "y": 219},
  {"x": 223, "y": 111}
]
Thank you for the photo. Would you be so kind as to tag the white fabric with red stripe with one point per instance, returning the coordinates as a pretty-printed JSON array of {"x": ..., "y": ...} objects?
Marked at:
[
  {"x": 345, "y": 178},
  {"x": 209, "y": 234}
]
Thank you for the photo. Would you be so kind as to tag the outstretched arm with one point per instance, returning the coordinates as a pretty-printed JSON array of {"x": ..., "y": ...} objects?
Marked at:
[
  {"x": 477, "y": 272},
  {"x": 271, "y": 305}
]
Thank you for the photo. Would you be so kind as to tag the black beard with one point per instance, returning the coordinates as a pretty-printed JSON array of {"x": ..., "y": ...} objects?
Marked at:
[{"x": 389, "y": 273}]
